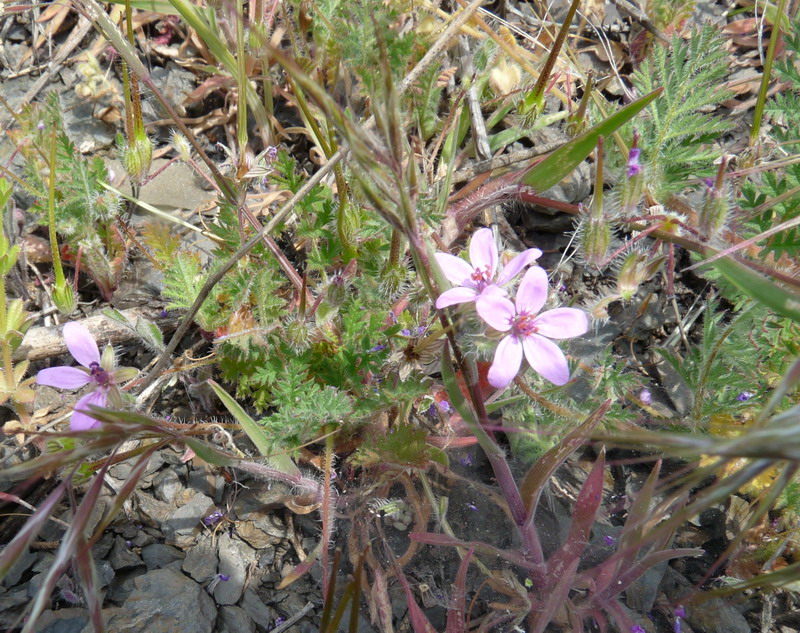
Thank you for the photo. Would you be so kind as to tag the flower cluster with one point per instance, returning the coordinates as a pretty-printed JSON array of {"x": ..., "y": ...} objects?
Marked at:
[
  {"x": 528, "y": 331},
  {"x": 97, "y": 370}
]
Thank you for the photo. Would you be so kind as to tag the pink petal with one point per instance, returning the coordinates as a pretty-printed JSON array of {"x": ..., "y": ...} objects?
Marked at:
[
  {"x": 532, "y": 291},
  {"x": 81, "y": 344},
  {"x": 562, "y": 323},
  {"x": 507, "y": 360},
  {"x": 81, "y": 420},
  {"x": 483, "y": 251},
  {"x": 496, "y": 310},
  {"x": 456, "y": 270},
  {"x": 63, "y": 377},
  {"x": 460, "y": 294},
  {"x": 515, "y": 266},
  {"x": 546, "y": 358}
]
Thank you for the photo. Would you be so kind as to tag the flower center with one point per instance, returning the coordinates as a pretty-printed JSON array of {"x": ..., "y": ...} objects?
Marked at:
[
  {"x": 482, "y": 277},
  {"x": 524, "y": 325},
  {"x": 100, "y": 375}
]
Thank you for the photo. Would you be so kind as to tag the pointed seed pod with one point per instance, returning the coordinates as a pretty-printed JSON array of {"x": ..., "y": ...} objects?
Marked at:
[{"x": 633, "y": 185}]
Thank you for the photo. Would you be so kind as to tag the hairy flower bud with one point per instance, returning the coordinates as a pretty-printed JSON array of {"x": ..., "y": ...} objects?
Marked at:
[
  {"x": 181, "y": 145},
  {"x": 716, "y": 207},
  {"x": 64, "y": 298},
  {"x": 633, "y": 185},
  {"x": 635, "y": 269},
  {"x": 298, "y": 334},
  {"x": 393, "y": 280},
  {"x": 137, "y": 156}
]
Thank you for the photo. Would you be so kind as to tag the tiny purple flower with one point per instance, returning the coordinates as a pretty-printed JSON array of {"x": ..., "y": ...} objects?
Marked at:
[
  {"x": 444, "y": 405},
  {"x": 213, "y": 518},
  {"x": 40, "y": 125},
  {"x": 405, "y": 332},
  {"x": 530, "y": 332},
  {"x": 745, "y": 396},
  {"x": 472, "y": 507},
  {"x": 680, "y": 611},
  {"x": 473, "y": 279},
  {"x": 638, "y": 628},
  {"x": 378, "y": 348},
  {"x": 646, "y": 396},
  {"x": 95, "y": 369},
  {"x": 609, "y": 540},
  {"x": 634, "y": 166},
  {"x": 224, "y": 577},
  {"x": 279, "y": 620}
]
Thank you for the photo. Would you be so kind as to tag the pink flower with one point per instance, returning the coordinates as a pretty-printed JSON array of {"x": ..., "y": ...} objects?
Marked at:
[
  {"x": 529, "y": 332},
  {"x": 95, "y": 369},
  {"x": 472, "y": 280}
]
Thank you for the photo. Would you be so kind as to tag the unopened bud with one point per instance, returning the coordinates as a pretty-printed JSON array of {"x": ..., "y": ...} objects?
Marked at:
[
  {"x": 635, "y": 269},
  {"x": 633, "y": 185},
  {"x": 349, "y": 224},
  {"x": 393, "y": 280},
  {"x": 182, "y": 146},
  {"x": 64, "y": 298},
  {"x": 137, "y": 156},
  {"x": 298, "y": 334},
  {"x": 595, "y": 237},
  {"x": 716, "y": 206}
]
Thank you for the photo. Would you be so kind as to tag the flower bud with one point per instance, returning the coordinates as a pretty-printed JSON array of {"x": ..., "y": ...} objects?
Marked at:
[
  {"x": 393, "y": 280},
  {"x": 635, "y": 269},
  {"x": 64, "y": 298},
  {"x": 182, "y": 146},
  {"x": 298, "y": 334},
  {"x": 633, "y": 185},
  {"x": 137, "y": 156},
  {"x": 716, "y": 207}
]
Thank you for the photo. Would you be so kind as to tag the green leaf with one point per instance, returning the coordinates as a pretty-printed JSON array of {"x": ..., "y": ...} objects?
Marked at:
[
  {"x": 254, "y": 431},
  {"x": 566, "y": 158},
  {"x": 760, "y": 288}
]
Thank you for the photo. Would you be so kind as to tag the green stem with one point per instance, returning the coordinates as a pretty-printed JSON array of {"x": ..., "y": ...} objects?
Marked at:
[
  {"x": 758, "y": 114},
  {"x": 242, "y": 81},
  {"x": 51, "y": 214}
]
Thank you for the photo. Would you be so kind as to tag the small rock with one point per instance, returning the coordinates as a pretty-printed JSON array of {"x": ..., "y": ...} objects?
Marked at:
[
  {"x": 235, "y": 620},
  {"x": 20, "y": 566},
  {"x": 234, "y": 559},
  {"x": 122, "y": 557},
  {"x": 159, "y": 555},
  {"x": 63, "y": 621},
  {"x": 186, "y": 519},
  {"x": 164, "y": 601},
  {"x": 208, "y": 482},
  {"x": 259, "y": 612},
  {"x": 167, "y": 485},
  {"x": 152, "y": 511},
  {"x": 201, "y": 560}
]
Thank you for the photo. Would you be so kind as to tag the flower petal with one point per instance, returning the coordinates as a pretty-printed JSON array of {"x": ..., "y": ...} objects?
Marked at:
[
  {"x": 81, "y": 419},
  {"x": 546, "y": 358},
  {"x": 63, "y": 377},
  {"x": 81, "y": 344},
  {"x": 507, "y": 359},
  {"x": 532, "y": 291},
  {"x": 459, "y": 294},
  {"x": 483, "y": 251},
  {"x": 562, "y": 323},
  {"x": 496, "y": 310},
  {"x": 515, "y": 266},
  {"x": 455, "y": 269}
]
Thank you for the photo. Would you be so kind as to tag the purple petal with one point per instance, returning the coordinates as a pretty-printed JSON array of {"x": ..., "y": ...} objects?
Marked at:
[
  {"x": 81, "y": 344},
  {"x": 483, "y": 251},
  {"x": 507, "y": 360},
  {"x": 532, "y": 291},
  {"x": 63, "y": 377},
  {"x": 455, "y": 269},
  {"x": 562, "y": 323},
  {"x": 515, "y": 266},
  {"x": 81, "y": 420},
  {"x": 459, "y": 294},
  {"x": 496, "y": 310},
  {"x": 546, "y": 358}
]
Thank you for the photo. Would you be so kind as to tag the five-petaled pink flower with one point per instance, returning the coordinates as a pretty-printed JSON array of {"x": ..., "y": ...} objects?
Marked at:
[
  {"x": 96, "y": 369},
  {"x": 529, "y": 332},
  {"x": 472, "y": 281}
]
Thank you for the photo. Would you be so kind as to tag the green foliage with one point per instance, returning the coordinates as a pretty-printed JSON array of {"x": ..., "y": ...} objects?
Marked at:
[
  {"x": 676, "y": 136},
  {"x": 783, "y": 111}
]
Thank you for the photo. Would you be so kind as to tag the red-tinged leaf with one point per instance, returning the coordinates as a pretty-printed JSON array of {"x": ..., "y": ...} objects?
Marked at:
[
  {"x": 19, "y": 544},
  {"x": 302, "y": 568},
  {"x": 638, "y": 514},
  {"x": 583, "y": 518},
  {"x": 381, "y": 604},
  {"x": 456, "y": 612},
  {"x": 67, "y": 549},
  {"x": 560, "y": 163},
  {"x": 419, "y": 621},
  {"x": 557, "y": 596},
  {"x": 535, "y": 479},
  {"x": 433, "y": 538},
  {"x": 88, "y": 574}
]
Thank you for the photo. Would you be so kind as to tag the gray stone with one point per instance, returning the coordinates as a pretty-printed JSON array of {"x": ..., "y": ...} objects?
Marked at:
[
  {"x": 259, "y": 612},
  {"x": 201, "y": 560},
  {"x": 167, "y": 485},
  {"x": 122, "y": 557},
  {"x": 63, "y": 621},
  {"x": 712, "y": 616},
  {"x": 259, "y": 527},
  {"x": 235, "y": 620},
  {"x": 234, "y": 559},
  {"x": 208, "y": 482},
  {"x": 88, "y": 133},
  {"x": 20, "y": 566},
  {"x": 186, "y": 519},
  {"x": 152, "y": 512},
  {"x": 159, "y": 555},
  {"x": 163, "y": 601}
]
